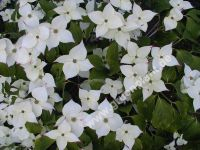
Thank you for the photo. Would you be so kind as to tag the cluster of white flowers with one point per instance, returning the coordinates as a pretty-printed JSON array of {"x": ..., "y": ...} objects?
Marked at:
[
  {"x": 190, "y": 84},
  {"x": 178, "y": 141},
  {"x": 175, "y": 14},
  {"x": 25, "y": 100}
]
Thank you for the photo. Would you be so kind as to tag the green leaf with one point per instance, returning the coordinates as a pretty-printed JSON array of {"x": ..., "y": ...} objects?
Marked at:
[
  {"x": 112, "y": 58},
  {"x": 164, "y": 116},
  {"x": 47, "y": 5},
  {"x": 43, "y": 143},
  {"x": 33, "y": 127},
  {"x": 160, "y": 5},
  {"x": 192, "y": 31},
  {"x": 96, "y": 61},
  {"x": 4, "y": 70},
  {"x": 169, "y": 74},
  {"x": 76, "y": 32}
]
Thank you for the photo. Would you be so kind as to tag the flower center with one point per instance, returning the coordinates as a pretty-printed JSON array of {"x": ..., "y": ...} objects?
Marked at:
[
  {"x": 73, "y": 119},
  {"x": 29, "y": 15},
  {"x": 74, "y": 61},
  {"x": 55, "y": 31},
  {"x": 106, "y": 20},
  {"x": 105, "y": 120}
]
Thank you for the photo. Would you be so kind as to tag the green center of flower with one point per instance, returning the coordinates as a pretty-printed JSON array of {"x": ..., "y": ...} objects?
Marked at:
[
  {"x": 105, "y": 120},
  {"x": 73, "y": 119}
]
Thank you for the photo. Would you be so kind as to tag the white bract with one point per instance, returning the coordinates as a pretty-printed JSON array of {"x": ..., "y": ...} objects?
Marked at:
[
  {"x": 70, "y": 10},
  {"x": 154, "y": 83},
  {"x": 163, "y": 57},
  {"x": 112, "y": 87},
  {"x": 74, "y": 115},
  {"x": 106, "y": 20},
  {"x": 58, "y": 32},
  {"x": 104, "y": 120},
  {"x": 135, "y": 54},
  {"x": 128, "y": 133},
  {"x": 62, "y": 135},
  {"x": 139, "y": 18},
  {"x": 180, "y": 4},
  {"x": 122, "y": 4},
  {"x": 89, "y": 99},
  {"x": 75, "y": 62},
  {"x": 170, "y": 21}
]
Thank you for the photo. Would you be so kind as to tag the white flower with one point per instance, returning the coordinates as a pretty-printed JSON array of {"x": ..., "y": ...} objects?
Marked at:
[
  {"x": 112, "y": 87},
  {"x": 104, "y": 120},
  {"x": 3, "y": 54},
  {"x": 194, "y": 92},
  {"x": 70, "y": 10},
  {"x": 154, "y": 83},
  {"x": 104, "y": 21},
  {"x": 22, "y": 87},
  {"x": 58, "y": 32},
  {"x": 62, "y": 135},
  {"x": 28, "y": 17},
  {"x": 36, "y": 38},
  {"x": 190, "y": 76},
  {"x": 180, "y": 4},
  {"x": 170, "y": 146},
  {"x": 122, "y": 4},
  {"x": 5, "y": 136},
  {"x": 74, "y": 115},
  {"x": 128, "y": 133},
  {"x": 170, "y": 22},
  {"x": 34, "y": 69},
  {"x": 20, "y": 132},
  {"x": 39, "y": 88},
  {"x": 163, "y": 57},
  {"x": 22, "y": 113},
  {"x": 6, "y": 15},
  {"x": 133, "y": 75},
  {"x": 136, "y": 54},
  {"x": 139, "y": 18},
  {"x": 89, "y": 99},
  {"x": 24, "y": 2},
  {"x": 120, "y": 35},
  {"x": 75, "y": 62}
]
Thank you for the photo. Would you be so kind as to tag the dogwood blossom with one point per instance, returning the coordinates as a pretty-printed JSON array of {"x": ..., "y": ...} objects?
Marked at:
[
  {"x": 104, "y": 120},
  {"x": 128, "y": 133},
  {"x": 163, "y": 57},
  {"x": 180, "y": 4},
  {"x": 70, "y": 10},
  {"x": 170, "y": 21},
  {"x": 75, "y": 62},
  {"x": 104, "y": 21},
  {"x": 74, "y": 115},
  {"x": 112, "y": 87},
  {"x": 154, "y": 84},
  {"x": 89, "y": 99},
  {"x": 139, "y": 18},
  {"x": 62, "y": 135}
]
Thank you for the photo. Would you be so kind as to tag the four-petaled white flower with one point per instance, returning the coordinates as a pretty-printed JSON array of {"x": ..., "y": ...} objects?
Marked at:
[
  {"x": 154, "y": 83},
  {"x": 104, "y": 120},
  {"x": 128, "y": 133},
  {"x": 139, "y": 18},
  {"x": 106, "y": 20},
  {"x": 170, "y": 21},
  {"x": 58, "y": 32},
  {"x": 70, "y": 10},
  {"x": 74, "y": 115},
  {"x": 112, "y": 87},
  {"x": 75, "y": 62},
  {"x": 62, "y": 135},
  {"x": 163, "y": 57},
  {"x": 89, "y": 99}
]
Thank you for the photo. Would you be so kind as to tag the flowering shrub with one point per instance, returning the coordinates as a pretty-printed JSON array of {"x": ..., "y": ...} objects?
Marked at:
[{"x": 91, "y": 74}]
